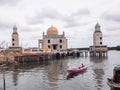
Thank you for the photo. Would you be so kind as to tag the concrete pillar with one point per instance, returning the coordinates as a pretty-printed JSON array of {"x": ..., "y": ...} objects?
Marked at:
[{"x": 86, "y": 54}]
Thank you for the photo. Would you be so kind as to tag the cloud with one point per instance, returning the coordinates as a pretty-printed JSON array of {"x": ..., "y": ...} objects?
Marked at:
[
  {"x": 115, "y": 39},
  {"x": 43, "y": 15},
  {"x": 113, "y": 28},
  {"x": 82, "y": 12},
  {"x": 111, "y": 20},
  {"x": 75, "y": 23},
  {"x": 75, "y": 19},
  {"x": 29, "y": 29},
  {"x": 72, "y": 20},
  {"x": 8, "y": 2},
  {"x": 5, "y": 25},
  {"x": 111, "y": 16}
]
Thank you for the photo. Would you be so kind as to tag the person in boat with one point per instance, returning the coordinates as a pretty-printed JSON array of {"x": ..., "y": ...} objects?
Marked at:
[{"x": 82, "y": 65}]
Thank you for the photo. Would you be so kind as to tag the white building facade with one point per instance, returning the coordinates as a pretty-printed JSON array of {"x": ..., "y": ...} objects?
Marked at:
[{"x": 52, "y": 41}]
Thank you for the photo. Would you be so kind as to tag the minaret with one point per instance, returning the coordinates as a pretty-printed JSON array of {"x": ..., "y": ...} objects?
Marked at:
[
  {"x": 15, "y": 39},
  {"x": 98, "y": 49},
  {"x": 97, "y": 36}
]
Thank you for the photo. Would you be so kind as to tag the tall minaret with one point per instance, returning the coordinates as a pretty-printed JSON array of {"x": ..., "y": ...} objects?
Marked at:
[
  {"x": 97, "y": 36},
  {"x": 15, "y": 38}
]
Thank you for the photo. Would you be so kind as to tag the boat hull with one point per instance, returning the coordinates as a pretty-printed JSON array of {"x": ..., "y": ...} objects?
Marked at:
[
  {"x": 78, "y": 70},
  {"x": 73, "y": 73},
  {"x": 113, "y": 85}
]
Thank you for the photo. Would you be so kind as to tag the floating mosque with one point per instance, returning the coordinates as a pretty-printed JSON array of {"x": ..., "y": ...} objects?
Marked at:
[{"x": 52, "y": 41}]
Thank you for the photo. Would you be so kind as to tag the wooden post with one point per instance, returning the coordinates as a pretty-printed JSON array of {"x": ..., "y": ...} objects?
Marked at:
[
  {"x": 3, "y": 71},
  {"x": 4, "y": 80}
]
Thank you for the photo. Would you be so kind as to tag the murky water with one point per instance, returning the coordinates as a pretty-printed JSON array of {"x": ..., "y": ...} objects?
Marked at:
[{"x": 52, "y": 75}]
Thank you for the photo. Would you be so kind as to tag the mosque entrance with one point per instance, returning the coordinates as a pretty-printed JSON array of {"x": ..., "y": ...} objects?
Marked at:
[{"x": 55, "y": 47}]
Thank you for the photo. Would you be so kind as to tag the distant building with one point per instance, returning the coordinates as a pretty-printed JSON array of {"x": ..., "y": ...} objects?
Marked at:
[
  {"x": 15, "y": 41},
  {"x": 52, "y": 41},
  {"x": 98, "y": 49}
]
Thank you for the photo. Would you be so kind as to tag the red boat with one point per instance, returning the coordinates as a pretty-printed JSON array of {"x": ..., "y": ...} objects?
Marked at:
[{"x": 75, "y": 70}]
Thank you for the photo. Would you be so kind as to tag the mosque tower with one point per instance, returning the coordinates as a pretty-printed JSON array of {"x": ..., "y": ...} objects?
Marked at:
[
  {"x": 97, "y": 36},
  {"x": 15, "y": 38},
  {"x": 98, "y": 49}
]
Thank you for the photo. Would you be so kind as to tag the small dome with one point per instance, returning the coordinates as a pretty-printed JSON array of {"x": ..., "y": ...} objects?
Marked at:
[{"x": 52, "y": 31}]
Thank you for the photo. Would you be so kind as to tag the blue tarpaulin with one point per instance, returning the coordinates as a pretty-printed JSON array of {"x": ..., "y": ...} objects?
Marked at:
[{"x": 117, "y": 68}]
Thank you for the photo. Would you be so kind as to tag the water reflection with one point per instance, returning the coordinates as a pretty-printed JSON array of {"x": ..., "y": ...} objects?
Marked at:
[
  {"x": 51, "y": 71},
  {"x": 55, "y": 71},
  {"x": 98, "y": 70},
  {"x": 98, "y": 59},
  {"x": 51, "y": 75},
  {"x": 99, "y": 73},
  {"x": 15, "y": 74}
]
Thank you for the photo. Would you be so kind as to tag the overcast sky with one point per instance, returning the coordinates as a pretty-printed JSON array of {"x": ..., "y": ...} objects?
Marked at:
[{"x": 77, "y": 18}]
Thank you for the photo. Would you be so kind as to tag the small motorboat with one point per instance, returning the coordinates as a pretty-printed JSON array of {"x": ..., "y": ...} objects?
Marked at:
[
  {"x": 114, "y": 82},
  {"x": 77, "y": 70}
]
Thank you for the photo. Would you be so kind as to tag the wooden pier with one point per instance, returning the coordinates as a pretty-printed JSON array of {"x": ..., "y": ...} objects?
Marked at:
[
  {"x": 32, "y": 57},
  {"x": 37, "y": 57}
]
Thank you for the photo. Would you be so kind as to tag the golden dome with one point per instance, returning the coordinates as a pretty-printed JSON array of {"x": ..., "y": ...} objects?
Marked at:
[{"x": 52, "y": 31}]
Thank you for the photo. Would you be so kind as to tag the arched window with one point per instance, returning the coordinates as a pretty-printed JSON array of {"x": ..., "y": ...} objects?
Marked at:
[
  {"x": 100, "y": 42},
  {"x": 13, "y": 44},
  {"x": 48, "y": 46},
  {"x": 13, "y": 39},
  {"x": 100, "y": 37}
]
